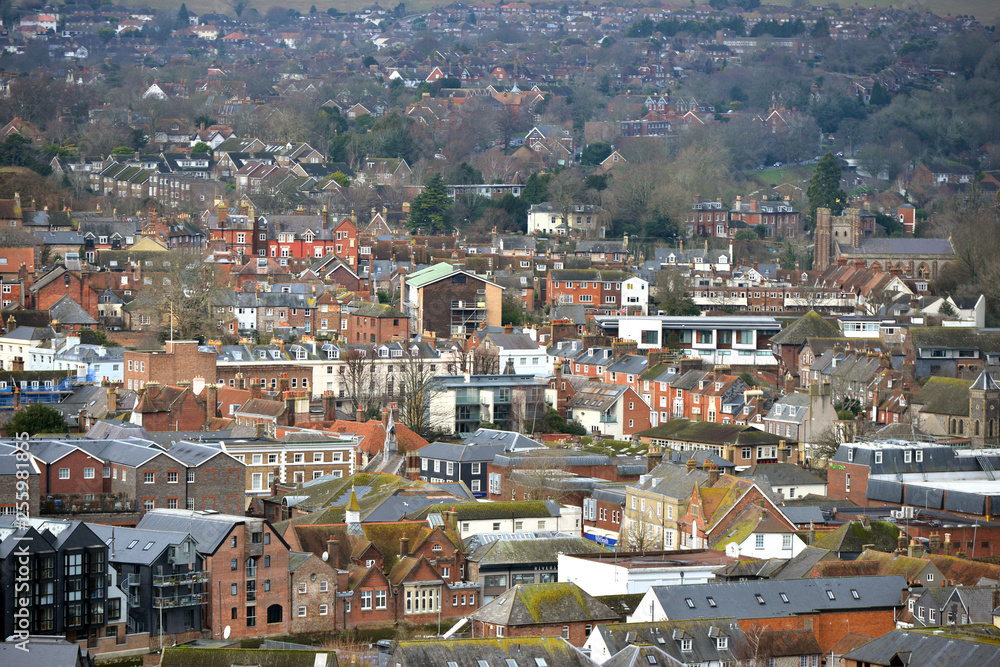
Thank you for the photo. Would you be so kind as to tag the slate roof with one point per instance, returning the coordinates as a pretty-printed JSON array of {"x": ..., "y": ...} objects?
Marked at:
[
  {"x": 900, "y": 247},
  {"x": 505, "y": 509},
  {"x": 985, "y": 382},
  {"x": 539, "y": 550},
  {"x": 67, "y": 311},
  {"x": 514, "y": 441},
  {"x": 525, "y": 651},
  {"x": 541, "y": 604},
  {"x": 642, "y": 656},
  {"x": 954, "y": 648},
  {"x": 853, "y": 536},
  {"x": 781, "y": 474},
  {"x": 185, "y": 656},
  {"x": 805, "y": 596},
  {"x": 667, "y": 636},
  {"x": 44, "y": 650},
  {"x": 141, "y": 553},
  {"x": 209, "y": 529}
]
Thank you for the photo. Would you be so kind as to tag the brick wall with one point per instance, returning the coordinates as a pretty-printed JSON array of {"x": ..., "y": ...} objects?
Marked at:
[
  {"x": 831, "y": 627},
  {"x": 837, "y": 476},
  {"x": 179, "y": 362},
  {"x": 8, "y": 492}
]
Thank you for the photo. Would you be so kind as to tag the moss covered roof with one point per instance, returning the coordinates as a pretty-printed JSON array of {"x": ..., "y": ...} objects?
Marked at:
[
  {"x": 853, "y": 536},
  {"x": 810, "y": 325},
  {"x": 542, "y": 604},
  {"x": 944, "y": 396},
  {"x": 507, "y": 509},
  {"x": 183, "y": 656},
  {"x": 710, "y": 433}
]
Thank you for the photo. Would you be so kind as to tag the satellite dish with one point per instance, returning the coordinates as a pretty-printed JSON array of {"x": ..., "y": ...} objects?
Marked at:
[
  {"x": 326, "y": 556},
  {"x": 227, "y": 632}
]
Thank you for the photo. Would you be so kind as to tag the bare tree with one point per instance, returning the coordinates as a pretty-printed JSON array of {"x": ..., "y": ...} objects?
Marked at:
[
  {"x": 485, "y": 361},
  {"x": 755, "y": 648},
  {"x": 541, "y": 476},
  {"x": 362, "y": 379},
  {"x": 636, "y": 536},
  {"x": 414, "y": 378}
]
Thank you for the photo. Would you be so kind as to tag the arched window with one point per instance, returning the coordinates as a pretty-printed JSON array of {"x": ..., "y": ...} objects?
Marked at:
[
  {"x": 993, "y": 426},
  {"x": 961, "y": 426},
  {"x": 977, "y": 428},
  {"x": 274, "y": 613},
  {"x": 953, "y": 427}
]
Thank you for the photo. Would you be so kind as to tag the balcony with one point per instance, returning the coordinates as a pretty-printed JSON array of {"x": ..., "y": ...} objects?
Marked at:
[
  {"x": 173, "y": 601},
  {"x": 609, "y": 419},
  {"x": 180, "y": 579}
]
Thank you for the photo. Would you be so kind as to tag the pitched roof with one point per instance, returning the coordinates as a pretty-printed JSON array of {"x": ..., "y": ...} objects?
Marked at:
[
  {"x": 711, "y": 433},
  {"x": 809, "y": 325},
  {"x": 552, "y": 651},
  {"x": 667, "y": 635},
  {"x": 540, "y": 604},
  {"x": 536, "y": 551},
  {"x": 185, "y": 656},
  {"x": 944, "y": 396},
  {"x": 853, "y": 536},
  {"x": 955, "y": 648}
]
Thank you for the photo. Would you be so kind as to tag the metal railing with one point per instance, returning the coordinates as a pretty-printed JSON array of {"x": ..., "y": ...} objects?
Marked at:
[
  {"x": 180, "y": 578},
  {"x": 170, "y": 602}
]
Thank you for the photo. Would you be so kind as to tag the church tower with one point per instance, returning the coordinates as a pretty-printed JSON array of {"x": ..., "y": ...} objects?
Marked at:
[
  {"x": 823, "y": 240},
  {"x": 984, "y": 411}
]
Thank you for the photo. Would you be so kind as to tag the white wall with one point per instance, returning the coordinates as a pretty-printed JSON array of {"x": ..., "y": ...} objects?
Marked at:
[
  {"x": 635, "y": 293},
  {"x": 609, "y": 578},
  {"x": 773, "y": 546},
  {"x": 569, "y": 521}
]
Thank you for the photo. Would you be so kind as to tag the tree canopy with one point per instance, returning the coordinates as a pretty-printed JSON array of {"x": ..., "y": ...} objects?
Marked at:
[
  {"x": 824, "y": 188},
  {"x": 430, "y": 211},
  {"x": 36, "y": 418}
]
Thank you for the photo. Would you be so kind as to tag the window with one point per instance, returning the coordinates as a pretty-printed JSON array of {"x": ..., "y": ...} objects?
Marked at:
[
  {"x": 565, "y": 632},
  {"x": 722, "y": 643},
  {"x": 366, "y": 600},
  {"x": 63, "y": 473},
  {"x": 172, "y": 477},
  {"x": 380, "y": 599},
  {"x": 786, "y": 542},
  {"x": 686, "y": 645},
  {"x": 302, "y": 611},
  {"x": 918, "y": 456},
  {"x": 88, "y": 473},
  {"x": 830, "y": 594},
  {"x": 323, "y": 610},
  {"x": 855, "y": 594},
  {"x": 878, "y": 457},
  {"x": 759, "y": 541},
  {"x": 149, "y": 477}
]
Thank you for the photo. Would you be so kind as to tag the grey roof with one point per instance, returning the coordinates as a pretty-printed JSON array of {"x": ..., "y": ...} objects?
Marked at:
[
  {"x": 542, "y": 604},
  {"x": 639, "y": 656},
  {"x": 511, "y": 439},
  {"x": 553, "y": 651},
  {"x": 801, "y": 564},
  {"x": 805, "y": 596},
  {"x": 673, "y": 481},
  {"x": 901, "y": 247},
  {"x": 136, "y": 545},
  {"x": 792, "y": 408},
  {"x": 528, "y": 552},
  {"x": 630, "y": 364},
  {"x": 667, "y": 636},
  {"x": 67, "y": 311},
  {"x": 50, "y": 651},
  {"x": 782, "y": 474},
  {"x": 448, "y": 452},
  {"x": 194, "y": 453},
  {"x": 208, "y": 528},
  {"x": 985, "y": 382},
  {"x": 513, "y": 341},
  {"x": 9, "y": 465},
  {"x": 31, "y": 333},
  {"x": 802, "y": 515},
  {"x": 927, "y": 647}
]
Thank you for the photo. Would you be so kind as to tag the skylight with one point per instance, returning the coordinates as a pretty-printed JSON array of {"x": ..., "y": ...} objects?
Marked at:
[
  {"x": 132, "y": 544},
  {"x": 149, "y": 545},
  {"x": 784, "y": 598},
  {"x": 830, "y": 595},
  {"x": 855, "y": 594},
  {"x": 760, "y": 598},
  {"x": 690, "y": 602},
  {"x": 711, "y": 602}
]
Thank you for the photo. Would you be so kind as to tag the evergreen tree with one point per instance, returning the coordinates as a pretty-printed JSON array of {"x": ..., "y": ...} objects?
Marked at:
[
  {"x": 36, "y": 418},
  {"x": 824, "y": 188},
  {"x": 431, "y": 209},
  {"x": 182, "y": 15},
  {"x": 821, "y": 28},
  {"x": 880, "y": 96},
  {"x": 536, "y": 190}
]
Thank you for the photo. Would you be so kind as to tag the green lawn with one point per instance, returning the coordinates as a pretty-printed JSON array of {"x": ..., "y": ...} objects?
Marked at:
[{"x": 793, "y": 174}]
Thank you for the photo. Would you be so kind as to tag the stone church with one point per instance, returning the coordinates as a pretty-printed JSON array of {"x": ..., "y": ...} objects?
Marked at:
[{"x": 844, "y": 239}]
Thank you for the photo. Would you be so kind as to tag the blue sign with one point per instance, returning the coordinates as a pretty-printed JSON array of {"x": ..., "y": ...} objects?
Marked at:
[{"x": 601, "y": 539}]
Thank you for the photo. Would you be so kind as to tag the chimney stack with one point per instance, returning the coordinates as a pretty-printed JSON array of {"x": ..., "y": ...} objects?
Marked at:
[
  {"x": 404, "y": 547},
  {"x": 359, "y": 415},
  {"x": 112, "y": 400},
  {"x": 211, "y": 402},
  {"x": 333, "y": 551},
  {"x": 17, "y": 398},
  {"x": 935, "y": 543},
  {"x": 385, "y": 419},
  {"x": 713, "y": 474},
  {"x": 329, "y": 406},
  {"x": 83, "y": 420}
]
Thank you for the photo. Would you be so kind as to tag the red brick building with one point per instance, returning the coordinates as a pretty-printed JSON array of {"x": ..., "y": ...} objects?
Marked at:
[
  {"x": 601, "y": 290},
  {"x": 180, "y": 361},
  {"x": 375, "y": 323}
]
